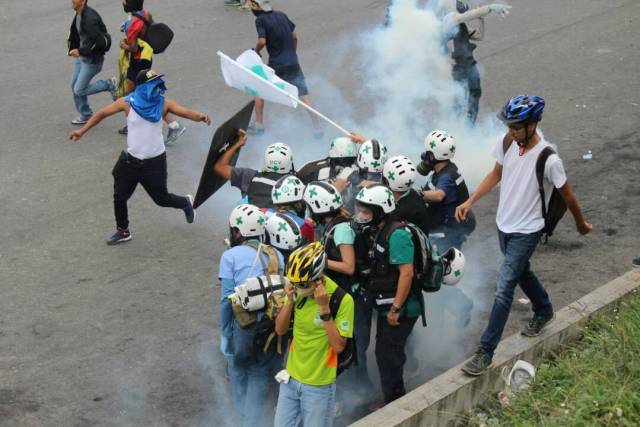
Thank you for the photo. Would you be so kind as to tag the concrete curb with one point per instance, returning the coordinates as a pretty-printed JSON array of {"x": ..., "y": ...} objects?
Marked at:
[{"x": 449, "y": 396}]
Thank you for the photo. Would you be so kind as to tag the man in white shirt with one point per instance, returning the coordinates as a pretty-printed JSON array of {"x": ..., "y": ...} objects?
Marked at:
[
  {"x": 520, "y": 220},
  {"x": 145, "y": 160}
]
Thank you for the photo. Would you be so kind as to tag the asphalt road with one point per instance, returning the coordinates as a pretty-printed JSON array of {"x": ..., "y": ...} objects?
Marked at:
[{"x": 94, "y": 335}]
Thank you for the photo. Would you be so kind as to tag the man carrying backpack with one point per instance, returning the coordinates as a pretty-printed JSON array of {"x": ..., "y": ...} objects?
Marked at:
[
  {"x": 520, "y": 219},
  {"x": 390, "y": 282},
  {"x": 322, "y": 316},
  {"x": 88, "y": 41},
  {"x": 250, "y": 367}
]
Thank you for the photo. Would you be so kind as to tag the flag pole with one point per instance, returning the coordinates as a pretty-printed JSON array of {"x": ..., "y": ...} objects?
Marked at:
[{"x": 319, "y": 114}]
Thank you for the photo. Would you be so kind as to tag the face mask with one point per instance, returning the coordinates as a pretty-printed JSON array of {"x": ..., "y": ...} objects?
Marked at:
[
  {"x": 305, "y": 292},
  {"x": 362, "y": 218}
]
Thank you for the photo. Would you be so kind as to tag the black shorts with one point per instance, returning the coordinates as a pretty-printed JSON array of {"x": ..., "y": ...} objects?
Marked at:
[
  {"x": 135, "y": 66},
  {"x": 293, "y": 74}
]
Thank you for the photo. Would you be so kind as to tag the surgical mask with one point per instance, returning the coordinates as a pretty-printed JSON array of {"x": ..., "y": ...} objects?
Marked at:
[
  {"x": 362, "y": 218},
  {"x": 305, "y": 292}
]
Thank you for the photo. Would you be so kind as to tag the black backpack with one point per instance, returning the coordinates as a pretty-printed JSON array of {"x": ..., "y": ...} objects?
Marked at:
[
  {"x": 157, "y": 34},
  {"x": 348, "y": 356},
  {"x": 427, "y": 268},
  {"x": 557, "y": 207}
]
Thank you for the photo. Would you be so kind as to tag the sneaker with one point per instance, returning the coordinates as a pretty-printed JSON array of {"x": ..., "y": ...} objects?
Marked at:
[
  {"x": 189, "y": 212},
  {"x": 636, "y": 262},
  {"x": 124, "y": 130},
  {"x": 480, "y": 362},
  {"x": 536, "y": 324},
  {"x": 79, "y": 121},
  {"x": 232, "y": 3},
  {"x": 255, "y": 129},
  {"x": 120, "y": 236},
  {"x": 113, "y": 87},
  {"x": 174, "y": 134}
]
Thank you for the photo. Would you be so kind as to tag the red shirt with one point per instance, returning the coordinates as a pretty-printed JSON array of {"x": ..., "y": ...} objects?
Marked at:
[{"x": 133, "y": 32}]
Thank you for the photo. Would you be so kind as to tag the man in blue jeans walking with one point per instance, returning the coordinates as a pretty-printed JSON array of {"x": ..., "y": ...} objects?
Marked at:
[
  {"x": 520, "y": 220},
  {"x": 87, "y": 43}
]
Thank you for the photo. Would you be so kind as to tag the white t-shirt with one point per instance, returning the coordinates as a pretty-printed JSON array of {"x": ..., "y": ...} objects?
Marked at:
[
  {"x": 144, "y": 138},
  {"x": 519, "y": 209}
]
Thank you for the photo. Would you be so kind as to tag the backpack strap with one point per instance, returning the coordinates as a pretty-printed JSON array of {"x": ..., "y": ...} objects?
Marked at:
[
  {"x": 540, "y": 164},
  {"x": 273, "y": 266},
  {"x": 336, "y": 300},
  {"x": 506, "y": 143}
]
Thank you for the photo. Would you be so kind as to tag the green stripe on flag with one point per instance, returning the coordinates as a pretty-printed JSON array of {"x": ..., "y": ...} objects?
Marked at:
[
  {"x": 280, "y": 85},
  {"x": 259, "y": 71},
  {"x": 251, "y": 91}
]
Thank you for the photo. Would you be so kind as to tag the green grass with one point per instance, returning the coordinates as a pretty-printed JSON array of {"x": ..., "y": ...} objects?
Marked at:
[{"x": 595, "y": 381}]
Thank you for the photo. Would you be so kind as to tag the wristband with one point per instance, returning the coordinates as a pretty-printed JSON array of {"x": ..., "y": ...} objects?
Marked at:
[{"x": 395, "y": 309}]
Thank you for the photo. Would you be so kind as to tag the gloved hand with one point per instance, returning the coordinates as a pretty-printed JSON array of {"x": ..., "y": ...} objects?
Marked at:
[{"x": 499, "y": 9}]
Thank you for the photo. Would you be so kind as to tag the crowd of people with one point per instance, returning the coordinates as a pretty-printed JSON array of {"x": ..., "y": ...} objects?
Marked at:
[{"x": 317, "y": 254}]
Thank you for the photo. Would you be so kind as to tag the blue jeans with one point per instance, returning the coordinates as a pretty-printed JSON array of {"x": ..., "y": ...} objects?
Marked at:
[
  {"x": 313, "y": 405},
  {"x": 515, "y": 270},
  {"x": 81, "y": 85},
  {"x": 469, "y": 77},
  {"x": 251, "y": 373}
]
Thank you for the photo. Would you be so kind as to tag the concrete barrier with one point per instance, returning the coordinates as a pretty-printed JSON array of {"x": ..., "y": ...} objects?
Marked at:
[{"x": 448, "y": 397}]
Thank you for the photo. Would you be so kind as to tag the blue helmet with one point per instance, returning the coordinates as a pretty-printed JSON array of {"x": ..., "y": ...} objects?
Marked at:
[{"x": 522, "y": 108}]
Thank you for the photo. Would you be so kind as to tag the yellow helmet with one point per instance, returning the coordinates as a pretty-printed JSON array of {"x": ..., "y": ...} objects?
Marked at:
[{"x": 306, "y": 264}]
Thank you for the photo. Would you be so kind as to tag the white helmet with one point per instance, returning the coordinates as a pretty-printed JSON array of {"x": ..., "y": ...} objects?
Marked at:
[
  {"x": 288, "y": 189},
  {"x": 284, "y": 232},
  {"x": 400, "y": 173},
  {"x": 453, "y": 263},
  {"x": 371, "y": 156},
  {"x": 441, "y": 144},
  {"x": 278, "y": 157},
  {"x": 342, "y": 147},
  {"x": 249, "y": 219},
  {"x": 322, "y": 197},
  {"x": 377, "y": 195}
]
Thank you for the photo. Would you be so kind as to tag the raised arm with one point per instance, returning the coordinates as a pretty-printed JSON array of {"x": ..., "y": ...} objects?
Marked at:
[
  {"x": 111, "y": 109},
  {"x": 223, "y": 166},
  {"x": 172, "y": 106}
]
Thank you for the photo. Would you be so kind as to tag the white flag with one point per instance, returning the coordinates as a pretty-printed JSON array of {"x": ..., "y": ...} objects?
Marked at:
[{"x": 248, "y": 74}]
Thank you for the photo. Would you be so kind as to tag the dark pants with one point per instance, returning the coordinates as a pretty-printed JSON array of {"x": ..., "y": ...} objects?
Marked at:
[
  {"x": 390, "y": 355},
  {"x": 515, "y": 270},
  {"x": 469, "y": 77},
  {"x": 152, "y": 174},
  {"x": 356, "y": 378}
]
